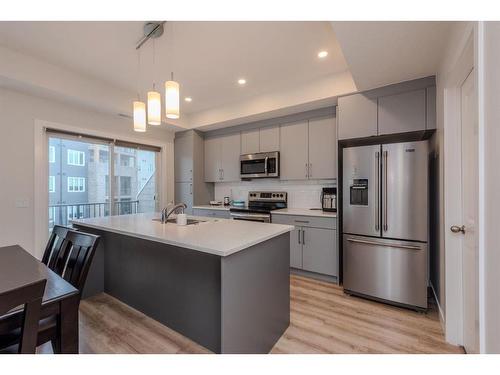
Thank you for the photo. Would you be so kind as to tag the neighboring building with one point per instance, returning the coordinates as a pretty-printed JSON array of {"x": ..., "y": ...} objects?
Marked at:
[{"x": 79, "y": 184}]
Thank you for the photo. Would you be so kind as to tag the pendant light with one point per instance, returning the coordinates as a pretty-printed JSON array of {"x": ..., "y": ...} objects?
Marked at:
[
  {"x": 154, "y": 100},
  {"x": 172, "y": 98},
  {"x": 139, "y": 107}
]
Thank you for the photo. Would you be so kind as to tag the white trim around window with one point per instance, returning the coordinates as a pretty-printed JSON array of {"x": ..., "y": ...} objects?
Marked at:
[
  {"x": 52, "y": 184},
  {"x": 76, "y": 184},
  {"x": 76, "y": 157}
]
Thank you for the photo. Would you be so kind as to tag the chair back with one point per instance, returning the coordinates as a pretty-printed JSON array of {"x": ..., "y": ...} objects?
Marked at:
[
  {"x": 31, "y": 297},
  {"x": 75, "y": 258},
  {"x": 53, "y": 248}
]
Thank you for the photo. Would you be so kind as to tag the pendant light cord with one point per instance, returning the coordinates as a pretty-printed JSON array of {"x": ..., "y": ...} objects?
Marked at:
[{"x": 138, "y": 72}]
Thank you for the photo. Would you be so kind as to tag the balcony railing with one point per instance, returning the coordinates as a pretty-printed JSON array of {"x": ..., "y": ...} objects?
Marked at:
[{"x": 62, "y": 214}]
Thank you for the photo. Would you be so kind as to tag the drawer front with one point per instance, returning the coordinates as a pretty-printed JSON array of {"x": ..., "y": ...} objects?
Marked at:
[
  {"x": 211, "y": 213},
  {"x": 306, "y": 221}
]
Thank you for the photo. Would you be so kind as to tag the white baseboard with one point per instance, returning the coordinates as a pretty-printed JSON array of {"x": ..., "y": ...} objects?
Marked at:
[{"x": 441, "y": 313}]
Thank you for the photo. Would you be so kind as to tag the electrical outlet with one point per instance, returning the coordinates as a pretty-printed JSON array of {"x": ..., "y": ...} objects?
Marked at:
[{"x": 22, "y": 203}]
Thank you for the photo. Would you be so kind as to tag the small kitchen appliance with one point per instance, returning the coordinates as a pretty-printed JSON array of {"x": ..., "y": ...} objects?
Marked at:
[{"x": 329, "y": 199}]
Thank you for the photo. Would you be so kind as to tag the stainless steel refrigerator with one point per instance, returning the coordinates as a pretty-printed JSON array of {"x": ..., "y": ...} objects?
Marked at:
[{"x": 385, "y": 222}]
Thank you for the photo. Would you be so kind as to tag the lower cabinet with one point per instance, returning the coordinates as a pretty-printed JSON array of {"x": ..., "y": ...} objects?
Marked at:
[
  {"x": 312, "y": 249},
  {"x": 207, "y": 212}
]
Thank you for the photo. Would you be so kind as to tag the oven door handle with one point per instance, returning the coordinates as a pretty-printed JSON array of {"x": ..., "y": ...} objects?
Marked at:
[{"x": 255, "y": 216}]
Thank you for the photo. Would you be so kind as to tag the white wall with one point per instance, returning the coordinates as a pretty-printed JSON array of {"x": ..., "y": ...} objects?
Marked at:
[
  {"x": 18, "y": 113},
  {"x": 301, "y": 194},
  {"x": 491, "y": 153}
]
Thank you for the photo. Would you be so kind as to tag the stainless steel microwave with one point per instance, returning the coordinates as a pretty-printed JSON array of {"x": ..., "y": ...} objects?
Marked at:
[{"x": 260, "y": 165}]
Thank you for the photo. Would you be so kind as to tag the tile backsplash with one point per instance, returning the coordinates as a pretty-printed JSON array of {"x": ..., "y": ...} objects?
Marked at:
[{"x": 301, "y": 194}]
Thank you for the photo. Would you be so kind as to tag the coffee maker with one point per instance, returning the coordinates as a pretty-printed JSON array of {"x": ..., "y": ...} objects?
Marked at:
[{"x": 329, "y": 199}]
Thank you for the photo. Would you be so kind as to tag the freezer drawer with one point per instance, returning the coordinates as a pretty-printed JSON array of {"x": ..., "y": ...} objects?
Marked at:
[{"x": 395, "y": 271}]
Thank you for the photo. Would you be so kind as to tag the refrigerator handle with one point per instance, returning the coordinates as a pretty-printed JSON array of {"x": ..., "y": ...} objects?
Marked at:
[
  {"x": 384, "y": 191},
  {"x": 377, "y": 192}
]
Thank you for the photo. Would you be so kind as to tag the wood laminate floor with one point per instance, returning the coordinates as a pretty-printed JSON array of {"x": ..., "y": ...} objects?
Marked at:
[{"x": 323, "y": 320}]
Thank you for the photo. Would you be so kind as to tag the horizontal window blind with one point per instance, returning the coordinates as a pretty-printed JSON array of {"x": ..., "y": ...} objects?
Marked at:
[{"x": 116, "y": 142}]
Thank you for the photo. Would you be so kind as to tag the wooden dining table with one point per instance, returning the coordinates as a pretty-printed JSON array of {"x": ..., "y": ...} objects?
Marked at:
[{"x": 60, "y": 299}]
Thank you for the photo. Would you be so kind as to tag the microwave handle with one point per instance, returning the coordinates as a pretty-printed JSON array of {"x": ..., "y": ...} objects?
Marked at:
[{"x": 266, "y": 160}]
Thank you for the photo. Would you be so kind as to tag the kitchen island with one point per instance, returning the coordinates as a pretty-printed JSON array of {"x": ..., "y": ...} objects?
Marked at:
[{"x": 222, "y": 283}]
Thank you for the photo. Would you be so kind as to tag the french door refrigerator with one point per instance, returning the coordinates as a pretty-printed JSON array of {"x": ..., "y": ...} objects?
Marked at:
[{"x": 385, "y": 222}]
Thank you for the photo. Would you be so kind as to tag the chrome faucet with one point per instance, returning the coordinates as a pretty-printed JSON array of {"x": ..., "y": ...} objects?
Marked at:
[{"x": 166, "y": 212}]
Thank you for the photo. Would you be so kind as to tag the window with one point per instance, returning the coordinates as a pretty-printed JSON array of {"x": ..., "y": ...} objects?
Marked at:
[
  {"x": 125, "y": 185},
  {"x": 126, "y": 161},
  {"x": 103, "y": 156},
  {"x": 76, "y": 184},
  {"x": 76, "y": 158},
  {"x": 52, "y": 154},
  {"x": 52, "y": 184}
]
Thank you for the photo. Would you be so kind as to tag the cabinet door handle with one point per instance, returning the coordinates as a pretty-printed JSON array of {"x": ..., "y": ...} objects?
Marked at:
[
  {"x": 191, "y": 189},
  {"x": 310, "y": 170},
  {"x": 222, "y": 173},
  {"x": 302, "y": 221},
  {"x": 298, "y": 236},
  {"x": 307, "y": 170},
  {"x": 303, "y": 237}
]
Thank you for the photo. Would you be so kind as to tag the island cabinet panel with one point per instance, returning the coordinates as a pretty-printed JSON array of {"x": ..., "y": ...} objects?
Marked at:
[
  {"x": 294, "y": 161},
  {"x": 322, "y": 148},
  {"x": 357, "y": 116},
  {"x": 250, "y": 141},
  {"x": 183, "y": 153},
  {"x": 269, "y": 139},
  {"x": 320, "y": 251},
  {"x": 402, "y": 112}
]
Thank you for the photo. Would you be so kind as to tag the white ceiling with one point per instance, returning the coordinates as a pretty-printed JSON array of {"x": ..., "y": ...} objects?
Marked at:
[
  {"x": 207, "y": 57},
  {"x": 381, "y": 53}
]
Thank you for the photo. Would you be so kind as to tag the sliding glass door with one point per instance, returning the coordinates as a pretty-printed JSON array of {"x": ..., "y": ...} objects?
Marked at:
[{"x": 89, "y": 178}]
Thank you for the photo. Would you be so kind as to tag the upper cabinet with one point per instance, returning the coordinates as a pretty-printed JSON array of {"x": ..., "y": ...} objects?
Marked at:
[
  {"x": 309, "y": 150},
  {"x": 402, "y": 112},
  {"x": 363, "y": 116},
  {"x": 250, "y": 141},
  {"x": 222, "y": 158},
  {"x": 357, "y": 115},
  {"x": 294, "y": 160},
  {"x": 269, "y": 139},
  {"x": 322, "y": 148},
  {"x": 260, "y": 140}
]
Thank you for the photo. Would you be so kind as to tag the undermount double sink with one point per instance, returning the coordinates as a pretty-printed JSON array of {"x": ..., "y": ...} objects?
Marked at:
[{"x": 174, "y": 221}]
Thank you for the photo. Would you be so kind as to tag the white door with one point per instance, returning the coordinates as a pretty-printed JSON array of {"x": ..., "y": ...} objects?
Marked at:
[{"x": 470, "y": 215}]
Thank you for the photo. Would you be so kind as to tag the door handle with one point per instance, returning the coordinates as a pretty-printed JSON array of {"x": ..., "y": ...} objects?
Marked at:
[
  {"x": 307, "y": 170},
  {"x": 385, "y": 192},
  {"x": 457, "y": 229},
  {"x": 384, "y": 244}
]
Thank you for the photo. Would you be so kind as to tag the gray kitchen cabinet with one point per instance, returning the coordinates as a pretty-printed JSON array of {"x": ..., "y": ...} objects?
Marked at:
[
  {"x": 431, "y": 108},
  {"x": 296, "y": 248},
  {"x": 357, "y": 116},
  {"x": 190, "y": 185},
  {"x": 184, "y": 193},
  {"x": 183, "y": 157},
  {"x": 402, "y": 113},
  {"x": 250, "y": 141},
  {"x": 322, "y": 148},
  {"x": 269, "y": 139},
  {"x": 230, "y": 157},
  {"x": 319, "y": 251},
  {"x": 222, "y": 158},
  {"x": 294, "y": 161},
  {"x": 212, "y": 160}
]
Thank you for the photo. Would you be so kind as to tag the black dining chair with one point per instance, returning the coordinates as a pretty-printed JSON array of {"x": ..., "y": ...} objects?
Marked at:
[
  {"x": 72, "y": 263},
  {"x": 23, "y": 340},
  {"x": 54, "y": 245}
]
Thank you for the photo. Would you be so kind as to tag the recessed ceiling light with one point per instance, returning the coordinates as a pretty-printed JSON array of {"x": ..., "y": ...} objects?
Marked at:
[
  {"x": 188, "y": 99},
  {"x": 322, "y": 54},
  {"x": 242, "y": 81}
]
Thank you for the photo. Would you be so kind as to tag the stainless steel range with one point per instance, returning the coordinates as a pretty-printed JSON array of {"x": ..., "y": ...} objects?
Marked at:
[{"x": 260, "y": 205}]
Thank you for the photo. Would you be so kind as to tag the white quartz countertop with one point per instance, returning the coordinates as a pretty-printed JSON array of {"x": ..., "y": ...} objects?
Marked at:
[
  {"x": 210, "y": 207},
  {"x": 220, "y": 237},
  {"x": 303, "y": 212}
]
